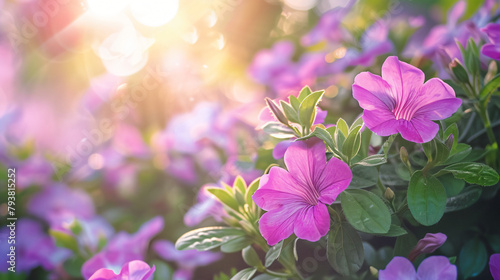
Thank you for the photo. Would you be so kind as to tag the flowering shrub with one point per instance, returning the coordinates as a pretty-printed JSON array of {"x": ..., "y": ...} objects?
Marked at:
[{"x": 149, "y": 140}]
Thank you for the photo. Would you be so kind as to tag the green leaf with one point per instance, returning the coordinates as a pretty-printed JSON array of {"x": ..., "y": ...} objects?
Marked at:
[
  {"x": 237, "y": 244},
  {"x": 304, "y": 92},
  {"x": 451, "y": 185},
  {"x": 473, "y": 173},
  {"x": 273, "y": 253},
  {"x": 277, "y": 130},
  {"x": 490, "y": 88},
  {"x": 463, "y": 200},
  {"x": 387, "y": 144},
  {"x": 251, "y": 190},
  {"x": 224, "y": 197},
  {"x": 472, "y": 258},
  {"x": 395, "y": 231},
  {"x": 251, "y": 257},
  {"x": 363, "y": 176},
  {"x": 307, "y": 109},
  {"x": 460, "y": 152},
  {"x": 290, "y": 113},
  {"x": 294, "y": 102},
  {"x": 452, "y": 130},
  {"x": 162, "y": 270},
  {"x": 278, "y": 114},
  {"x": 342, "y": 126},
  {"x": 73, "y": 266},
  {"x": 365, "y": 211},
  {"x": 245, "y": 274},
  {"x": 352, "y": 143},
  {"x": 239, "y": 184},
  {"x": 64, "y": 240},
  {"x": 207, "y": 238},
  {"x": 344, "y": 249},
  {"x": 373, "y": 160},
  {"x": 426, "y": 198},
  {"x": 404, "y": 244}
]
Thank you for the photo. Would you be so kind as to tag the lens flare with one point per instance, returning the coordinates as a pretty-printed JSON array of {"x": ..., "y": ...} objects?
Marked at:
[{"x": 154, "y": 13}]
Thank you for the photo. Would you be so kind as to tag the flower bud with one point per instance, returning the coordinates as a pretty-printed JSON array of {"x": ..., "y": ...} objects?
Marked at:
[
  {"x": 278, "y": 114},
  {"x": 374, "y": 271},
  {"x": 389, "y": 194},
  {"x": 492, "y": 71},
  {"x": 459, "y": 71}
]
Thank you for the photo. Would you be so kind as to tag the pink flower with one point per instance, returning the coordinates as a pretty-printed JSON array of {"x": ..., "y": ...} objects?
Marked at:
[
  {"x": 297, "y": 200},
  {"x": 430, "y": 243},
  {"x": 400, "y": 101},
  {"x": 134, "y": 270},
  {"x": 492, "y": 49}
]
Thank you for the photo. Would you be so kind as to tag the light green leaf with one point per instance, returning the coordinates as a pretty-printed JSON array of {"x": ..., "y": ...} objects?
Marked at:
[
  {"x": 207, "y": 238},
  {"x": 290, "y": 113},
  {"x": 273, "y": 253},
  {"x": 224, "y": 197},
  {"x": 245, "y": 274},
  {"x": 307, "y": 109},
  {"x": 473, "y": 173}
]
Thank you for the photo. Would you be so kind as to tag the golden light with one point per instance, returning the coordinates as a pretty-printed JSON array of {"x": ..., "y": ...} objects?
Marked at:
[
  {"x": 154, "y": 12},
  {"x": 96, "y": 161}
]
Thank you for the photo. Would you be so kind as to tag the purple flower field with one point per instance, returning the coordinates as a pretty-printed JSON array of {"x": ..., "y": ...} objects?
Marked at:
[{"x": 249, "y": 139}]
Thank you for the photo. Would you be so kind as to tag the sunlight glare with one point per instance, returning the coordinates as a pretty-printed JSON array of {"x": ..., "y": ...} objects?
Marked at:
[{"x": 154, "y": 13}]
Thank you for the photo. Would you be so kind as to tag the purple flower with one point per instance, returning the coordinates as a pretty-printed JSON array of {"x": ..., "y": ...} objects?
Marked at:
[
  {"x": 187, "y": 260},
  {"x": 123, "y": 248},
  {"x": 427, "y": 245},
  {"x": 432, "y": 268},
  {"x": 268, "y": 64},
  {"x": 329, "y": 27},
  {"x": 33, "y": 248},
  {"x": 58, "y": 204},
  {"x": 297, "y": 200},
  {"x": 133, "y": 270},
  {"x": 400, "y": 101},
  {"x": 495, "y": 266},
  {"x": 492, "y": 49}
]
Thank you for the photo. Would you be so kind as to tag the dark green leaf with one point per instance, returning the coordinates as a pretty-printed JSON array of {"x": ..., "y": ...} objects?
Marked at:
[
  {"x": 473, "y": 173},
  {"x": 207, "y": 238},
  {"x": 404, "y": 244},
  {"x": 373, "y": 160},
  {"x": 395, "y": 231},
  {"x": 472, "y": 258},
  {"x": 460, "y": 152},
  {"x": 344, "y": 249},
  {"x": 237, "y": 244},
  {"x": 426, "y": 198},
  {"x": 273, "y": 253},
  {"x": 365, "y": 211},
  {"x": 452, "y": 185},
  {"x": 464, "y": 199},
  {"x": 363, "y": 176},
  {"x": 162, "y": 270}
]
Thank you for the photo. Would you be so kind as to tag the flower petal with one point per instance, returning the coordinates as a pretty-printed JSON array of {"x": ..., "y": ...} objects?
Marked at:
[
  {"x": 495, "y": 266},
  {"x": 312, "y": 222},
  {"x": 280, "y": 148},
  {"x": 382, "y": 123},
  {"x": 306, "y": 160},
  {"x": 335, "y": 178},
  {"x": 491, "y": 50},
  {"x": 139, "y": 270},
  {"x": 405, "y": 79},
  {"x": 418, "y": 130},
  {"x": 437, "y": 268},
  {"x": 278, "y": 224},
  {"x": 436, "y": 100},
  {"x": 430, "y": 243},
  {"x": 372, "y": 92},
  {"x": 278, "y": 188},
  {"x": 399, "y": 268}
]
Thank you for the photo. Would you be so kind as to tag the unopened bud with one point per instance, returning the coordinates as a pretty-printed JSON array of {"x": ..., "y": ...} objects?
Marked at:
[
  {"x": 374, "y": 271},
  {"x": 449, "y": 141},
  {"x": 278, "y": 114},
  {"x": 492, "y": 71},
  {"x": 389, "y": 194},
  {"x": 403, "y": 153},
  {"x": 459, "y": 71}
]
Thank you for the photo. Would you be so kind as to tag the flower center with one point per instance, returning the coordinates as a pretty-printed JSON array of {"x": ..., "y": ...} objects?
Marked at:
[{"x": 406, "y": 108}]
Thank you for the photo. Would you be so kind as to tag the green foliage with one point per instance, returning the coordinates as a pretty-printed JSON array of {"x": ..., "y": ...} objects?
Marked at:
[
  {"x": 344, "y": 249},
  {"x": 365, "y": 211},
  {"x": 472, "y": 172},
  {"x": 473, "y": 258},
  {"x": 207, "y": 238},
  {"x": 273, "y": 253},
  {"x": 426, "y": 198}
]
